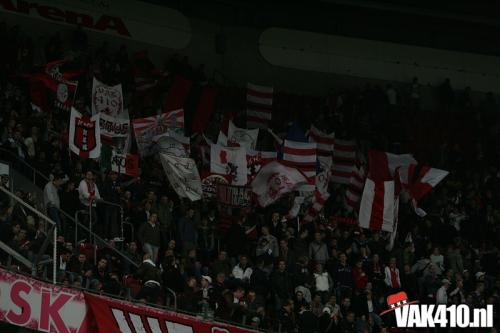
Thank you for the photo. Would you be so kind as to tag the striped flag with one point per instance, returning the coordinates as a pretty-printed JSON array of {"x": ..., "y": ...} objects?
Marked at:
[
  {"x": 318, "y": 203},
  {"x": 325, "y": 142},
  {"x": 259, "y": 105},
  {"x": 355, "y": 188},
  {"x": 301, "y": 155},
  {"x": 344, "y": 160},
  {"x": 378, "y": 205}
]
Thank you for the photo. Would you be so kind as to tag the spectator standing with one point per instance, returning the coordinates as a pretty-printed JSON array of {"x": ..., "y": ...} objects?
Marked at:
[
  {"x": 51, "y": 198},
  {"x": 150, "y": 238}
]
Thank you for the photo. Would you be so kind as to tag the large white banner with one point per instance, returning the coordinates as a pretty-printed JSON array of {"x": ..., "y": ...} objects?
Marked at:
[
  {"x": 107, "y": 99},
  {"x": 241, "y": 137},
  {"x": 183, "y": 175}
]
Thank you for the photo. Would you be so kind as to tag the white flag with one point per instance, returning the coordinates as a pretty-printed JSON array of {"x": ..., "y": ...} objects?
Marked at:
[
  {"x": 183, "y": 175},
  {"x": 230, "y": 161},
  {"x": 174, "y": 144},
  {"x": 274, "y": 180},
  {"x": 241, "y": 137},
  {"x": 107, "y": 99}
]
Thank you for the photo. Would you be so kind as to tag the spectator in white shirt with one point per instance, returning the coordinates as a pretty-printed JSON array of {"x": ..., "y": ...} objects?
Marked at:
[
  {"x": 88, "y": 191},
  {"x": 242, "y": 271},
  {"x": 441, "y": 294},
  {"x": 51, "y": 198}
]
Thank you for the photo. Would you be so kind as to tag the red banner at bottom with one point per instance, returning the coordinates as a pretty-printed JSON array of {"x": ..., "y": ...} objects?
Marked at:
[{"x": 114, "y": 316}]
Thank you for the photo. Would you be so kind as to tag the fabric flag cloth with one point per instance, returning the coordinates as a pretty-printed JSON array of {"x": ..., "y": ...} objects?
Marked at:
[
  {"x": 383, "y": 165},
  {"x": 377, "y": 209},
  {"x": 324, "y": 173},
  {"x": 127, "y": 164},
  {"x": 205, "y": 109},
  {"x": 355, "y": 188},
  {"x": 325, "y": 142},
  {"x": 113, "y": 127},
  {"x": 256, "y": 160},
  {"x": 148, "y": 130},
  {"x": 241, "y": 137},
  {"x": 178, "y": 93},
  {"x": 295, "y": 209},
  {"x": 301, "y": 155},
  {"x": 318, "y": 202},
  {"x": 107, "y": 99},
  {"x": 379, "y": 203},
  {"x": 84, "y": 135},
  {"x": 259, "y": 105},
  {"x": 174, "y": 144},
  {"x": 229, "y": 161},
  {"x": 183, "y": 175},
  {"x": 274, "y": 180},
  {"x": 344, "y": 161},
  {"x": 419, "y": 181}
]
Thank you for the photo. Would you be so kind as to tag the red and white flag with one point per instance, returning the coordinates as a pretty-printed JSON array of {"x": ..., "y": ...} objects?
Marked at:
[
  {"x": 274, "y": 180},
  {"x": 257, "y": 159},
  {"x": 355, "y": 188},
  {"x": 325, "y": 142},
  {"x": 127, "y": 164},
  {"x": 420, "y": 181},
  {"x": 344, "y": 161},
  {"x": 301, "y": 155},
  {"x": 148, "y": 130},
  {"x": 383, "y": 165},
  {"x": 259, "y": 105},
  {"x": 230, "y": 162},
  {"x": 318, "y": 202},
  {"x": 378, "y": 205},
  {"x": 84, "y": 135}
]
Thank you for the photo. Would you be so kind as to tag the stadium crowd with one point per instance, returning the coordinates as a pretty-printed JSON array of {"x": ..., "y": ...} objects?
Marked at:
[{"x": 325, "y": 276}]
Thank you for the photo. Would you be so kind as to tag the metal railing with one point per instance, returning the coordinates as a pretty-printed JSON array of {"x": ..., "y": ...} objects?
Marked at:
[
  {"x": 48, "y": 220},
  {"x": 33, "y": 172},
  {"x": 94, "y": 236}
]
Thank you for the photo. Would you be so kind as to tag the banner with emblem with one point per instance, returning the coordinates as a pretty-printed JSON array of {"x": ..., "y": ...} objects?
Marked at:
[
  {"x": 183, "y": 175},
  {"x": 324, "y": 173},
  {"x": 65, "y": 94},
  {"x": 274, "y": 180},
  {"x": 107, "y": 99},
  {"x": 84, "y": 135},
  {"x": 229, "y": 161},
  {"x": 127, "y": 164}
]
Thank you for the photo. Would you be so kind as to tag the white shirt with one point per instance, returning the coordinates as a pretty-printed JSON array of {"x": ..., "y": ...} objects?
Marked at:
[
  {"x": 84, "y": 194},
  {"x": 50, "y": 195},
  {"x": 241, "y": 274},
  {"x": 322, "y": 281},
  {"x": 441, "y": 296}
]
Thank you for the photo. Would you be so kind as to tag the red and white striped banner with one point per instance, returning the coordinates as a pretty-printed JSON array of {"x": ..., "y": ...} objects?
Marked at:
[
  {"x": 355, "y": 188},
  {"x": 419, "y": 182},
  {"x": 301, "y": 155},
  {"x": 378, "y": 205},
  {"x": 344, "y": 160},
  {"x": 324, "y": 141},
  {"x": 259, "y": 105}
]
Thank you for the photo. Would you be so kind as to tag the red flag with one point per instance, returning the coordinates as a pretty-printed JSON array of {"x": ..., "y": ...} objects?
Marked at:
[
  {"x": 206, "y": 107},
  {"x": 178, "y": 93}
]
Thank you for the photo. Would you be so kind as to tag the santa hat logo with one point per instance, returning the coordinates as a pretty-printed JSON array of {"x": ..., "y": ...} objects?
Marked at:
[{"x": 397, "y": 301}]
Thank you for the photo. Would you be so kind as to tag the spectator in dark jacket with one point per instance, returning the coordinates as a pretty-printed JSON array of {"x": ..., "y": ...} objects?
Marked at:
[
  {"x": 281, "y": 282},
  {"x": 111, "y": 191},
  {"x": 150, "y": 276},
  {"x": 188, "y": 233},
  {"x": 150, "y": 237}
]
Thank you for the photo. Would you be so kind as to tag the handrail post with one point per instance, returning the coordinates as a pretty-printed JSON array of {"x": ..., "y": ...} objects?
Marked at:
[
  {"x": 92, "y": 240},
  {"x": 54, "y": 250},
  {"x": 121, "y": 225}
]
